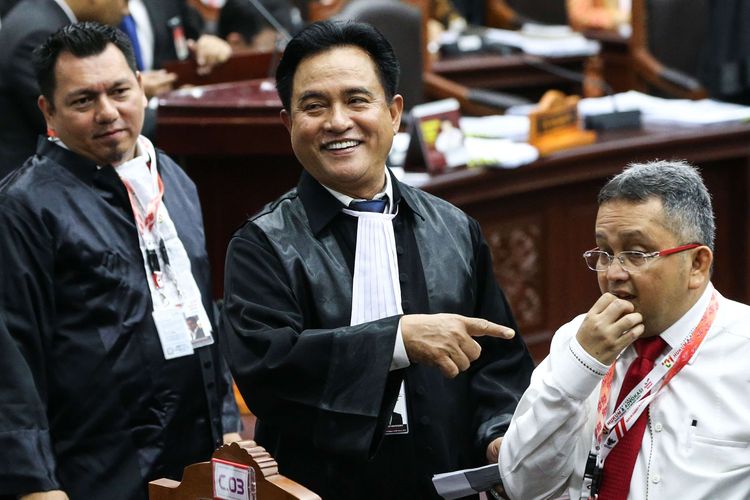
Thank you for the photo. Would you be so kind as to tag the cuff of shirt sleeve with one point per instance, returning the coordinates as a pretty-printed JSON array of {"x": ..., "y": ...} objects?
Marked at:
[
  {"x": 400, "y": 358},
  {"x": 577, "y": 372}
]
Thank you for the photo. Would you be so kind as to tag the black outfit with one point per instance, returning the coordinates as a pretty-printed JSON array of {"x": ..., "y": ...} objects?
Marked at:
[
  {"x": 321, "y": 389},
  {"x": 25, "y": 27},
  {"x": 725, "y": 68},
  {"x": 76, "y": 300},
  {"x": 243, "y": 17},
  {"x": 160, "y": 13}
]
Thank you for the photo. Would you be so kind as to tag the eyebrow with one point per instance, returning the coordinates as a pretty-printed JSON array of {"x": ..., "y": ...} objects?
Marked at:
[
  {"x": 634, "y": 234},
  {"x": 92, "y": 91},
  {"x": 315, "y": 94}
]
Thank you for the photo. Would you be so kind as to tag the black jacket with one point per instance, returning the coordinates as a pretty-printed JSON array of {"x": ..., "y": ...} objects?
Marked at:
[{"x": 322, "y": 389}]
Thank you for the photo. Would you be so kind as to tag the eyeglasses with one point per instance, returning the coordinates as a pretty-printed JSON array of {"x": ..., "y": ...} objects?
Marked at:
[{"x": 630, "y": 260}]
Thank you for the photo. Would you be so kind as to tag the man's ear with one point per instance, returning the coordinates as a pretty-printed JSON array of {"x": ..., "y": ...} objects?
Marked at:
[
  {"x": 700, "y": 270},
  {"x": 286, "y": 119},
  {"x": 139, "y": 79},
  {"x": 396, "y": 108},
  {"x": 47, "y": 109}
]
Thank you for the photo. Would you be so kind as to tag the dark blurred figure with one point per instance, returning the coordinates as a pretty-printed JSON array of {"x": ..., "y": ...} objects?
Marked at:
[
  {"x": 243, "y": 26},
  {"x": 726, "y": 63}
]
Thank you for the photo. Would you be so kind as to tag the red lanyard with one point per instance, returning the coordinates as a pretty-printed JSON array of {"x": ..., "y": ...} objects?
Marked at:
[
  {"x": 145, "y": 224},
  {"x": 673, "y": 363}
]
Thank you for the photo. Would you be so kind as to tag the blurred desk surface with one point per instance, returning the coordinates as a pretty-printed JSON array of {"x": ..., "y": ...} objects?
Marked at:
[
  {"x": 509, "y": 72},
  {"x": 538, "y": 219},
  {"x": 517, "y": 73}
]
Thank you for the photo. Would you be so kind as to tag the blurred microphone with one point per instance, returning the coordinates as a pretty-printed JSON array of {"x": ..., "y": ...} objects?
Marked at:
[{"x": 275, "y": 24}]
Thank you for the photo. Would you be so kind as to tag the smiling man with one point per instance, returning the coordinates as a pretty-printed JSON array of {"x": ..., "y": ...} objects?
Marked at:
[
  {"x": 362, "y": 319},
  {"x": 661, "y": 350},
  {"x": 103, "y": 262}
]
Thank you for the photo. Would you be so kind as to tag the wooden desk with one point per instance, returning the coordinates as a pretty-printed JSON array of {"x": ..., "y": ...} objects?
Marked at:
[{"x": 538, "y": 219}]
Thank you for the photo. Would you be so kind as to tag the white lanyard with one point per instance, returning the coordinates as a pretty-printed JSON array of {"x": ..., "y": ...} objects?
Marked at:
[{"x": 179, "y": 315}]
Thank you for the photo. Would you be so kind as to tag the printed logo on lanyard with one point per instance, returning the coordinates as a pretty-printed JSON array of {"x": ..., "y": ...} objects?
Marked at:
[{"x": 609, "y": 431}]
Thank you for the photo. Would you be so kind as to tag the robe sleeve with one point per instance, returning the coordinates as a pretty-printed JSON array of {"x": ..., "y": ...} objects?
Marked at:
[
  {"x": 331, "y": 385},
  {"x": 27, "y": 461}
]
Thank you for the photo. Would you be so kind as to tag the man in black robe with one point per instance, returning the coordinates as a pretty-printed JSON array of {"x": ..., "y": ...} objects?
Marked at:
[
  {"x": 119, "y": 407},
  {"x": 337, "y": 319}
]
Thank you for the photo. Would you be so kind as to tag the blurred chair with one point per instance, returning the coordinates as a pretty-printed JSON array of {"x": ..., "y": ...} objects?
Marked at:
[
  {"x": 403, "y": 25},
  {"x": 197, "y": 480},
  {"x": 666, "y": 43}
]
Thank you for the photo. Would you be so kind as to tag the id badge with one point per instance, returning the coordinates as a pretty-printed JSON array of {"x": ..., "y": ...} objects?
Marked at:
[
  {"x": 198, "y": 325},
  {"x": 399, "y": 418},
  {"x": 173, "y": 331}
]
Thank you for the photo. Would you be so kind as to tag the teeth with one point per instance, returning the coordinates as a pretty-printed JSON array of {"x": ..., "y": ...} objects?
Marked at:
[{"x": 341, "y": 145}]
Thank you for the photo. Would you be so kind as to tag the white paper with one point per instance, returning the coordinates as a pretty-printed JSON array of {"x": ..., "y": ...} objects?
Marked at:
[
  {"x": 466, "y": 482},
  {"x": 656, "y": 110},
  {"x": 548, "y": 41}
]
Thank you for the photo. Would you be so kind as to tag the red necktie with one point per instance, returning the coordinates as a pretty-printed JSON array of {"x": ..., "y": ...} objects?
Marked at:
[{"x": 618, "y": 467}]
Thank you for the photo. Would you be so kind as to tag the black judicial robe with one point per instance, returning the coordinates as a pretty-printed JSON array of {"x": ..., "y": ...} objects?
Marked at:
[
  {"x": 322, "y": 389},
  {"x": 116, "y": 413}
]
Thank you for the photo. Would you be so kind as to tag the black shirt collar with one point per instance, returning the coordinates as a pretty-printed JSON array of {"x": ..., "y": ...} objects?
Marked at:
[
  {"x": 104, "y": 179},
  {"x": 321, "y": 206},
  {"x": 81, "y": 167}
]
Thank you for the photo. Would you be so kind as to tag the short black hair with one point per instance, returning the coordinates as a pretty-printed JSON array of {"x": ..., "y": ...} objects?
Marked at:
[
  {"x": 84, "y": 39},
  {"x": 325, "y": 35}
]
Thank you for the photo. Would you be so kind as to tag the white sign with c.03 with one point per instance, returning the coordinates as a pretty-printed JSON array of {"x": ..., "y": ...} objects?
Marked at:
[{"x": 233, "y": 481}]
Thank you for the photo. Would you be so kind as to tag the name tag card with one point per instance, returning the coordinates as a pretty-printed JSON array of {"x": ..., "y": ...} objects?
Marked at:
[
  {"x": 173, "y": 332},
  {"x": 232, "y": 481}
]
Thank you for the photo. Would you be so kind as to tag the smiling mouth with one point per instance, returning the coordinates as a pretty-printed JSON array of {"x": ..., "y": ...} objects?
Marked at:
[{"x": 340, "y": 145}]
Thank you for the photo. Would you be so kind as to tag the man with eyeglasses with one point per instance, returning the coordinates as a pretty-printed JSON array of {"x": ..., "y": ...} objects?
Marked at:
[{"x": 644, "y": 396}]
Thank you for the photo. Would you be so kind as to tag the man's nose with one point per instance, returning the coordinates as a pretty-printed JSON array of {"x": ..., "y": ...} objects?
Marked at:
[
  {"x": 106, "y": 110},
  {"x": 338, "y": 119},
  {"x": 616, "y": 271}
]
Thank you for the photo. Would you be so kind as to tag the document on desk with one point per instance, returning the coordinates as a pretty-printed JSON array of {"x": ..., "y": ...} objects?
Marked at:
[
  {"x": 465, "y": 482},
  {"x": 548, "y": 41},
  {"x": 661, "y": 111}
]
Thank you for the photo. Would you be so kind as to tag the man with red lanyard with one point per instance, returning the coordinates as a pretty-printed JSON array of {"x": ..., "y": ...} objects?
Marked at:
[
  {"x": 104, "y": 269},
  {"x": 644, "y": 396}
]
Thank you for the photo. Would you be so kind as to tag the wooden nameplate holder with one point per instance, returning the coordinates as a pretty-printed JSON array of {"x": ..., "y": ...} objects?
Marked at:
[
  {"x": 554, "y": 124},
  {"x": 197, "y": 480}
]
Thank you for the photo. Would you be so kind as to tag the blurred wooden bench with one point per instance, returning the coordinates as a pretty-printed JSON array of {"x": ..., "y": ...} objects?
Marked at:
[{"x": 197, "y": 481}]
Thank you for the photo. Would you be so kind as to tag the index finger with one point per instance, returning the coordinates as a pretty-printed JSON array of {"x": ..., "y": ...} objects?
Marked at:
[
  {"x": 602, "y": 302},
  {"x": 479, "y": 327}
]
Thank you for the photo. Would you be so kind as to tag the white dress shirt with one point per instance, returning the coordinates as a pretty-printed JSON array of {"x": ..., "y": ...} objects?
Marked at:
[
  {"x": 145, "y": 32},
  {"x": 697, "y": 445}
]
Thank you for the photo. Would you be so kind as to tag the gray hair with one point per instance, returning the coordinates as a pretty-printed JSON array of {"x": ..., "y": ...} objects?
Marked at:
[{"x": 687, "y": 203}]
